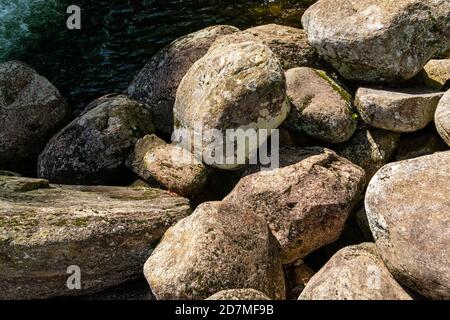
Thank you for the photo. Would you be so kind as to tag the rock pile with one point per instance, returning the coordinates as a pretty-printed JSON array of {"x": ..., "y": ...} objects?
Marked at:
[{"x": 358, "y": 143}]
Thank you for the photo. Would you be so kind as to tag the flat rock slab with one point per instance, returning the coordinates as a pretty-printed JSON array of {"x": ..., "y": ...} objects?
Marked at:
[
  {"x": 408, "y": 208},
  {"x": 399, "y": 111},
  {"x": 108, "y": 232}
]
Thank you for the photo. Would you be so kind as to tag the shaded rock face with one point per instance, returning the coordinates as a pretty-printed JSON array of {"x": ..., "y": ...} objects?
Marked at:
[
  {"x": 354, "y": 273},
  {"x": 378, "y": 40},
  {"x": 442, "y": 118},
  {"x": 298, "y": 275},
  {"x": 370, "y": 149},
  {"x": 218, "y": 247},
  {"x": 240, "y": 86},
  {"x": 305, "y": 202},
  {"x": 408, "y": 209},
  {"x": 169, "y": 165},
  {"x": 320, "y": 107},
  {"x": 290, "y": 45},
  {"x": 107, "y": 232},
  {"x": 92, "y": 149},
  {"x": 239, "y": 294},
  {"x": 156, "y": 84},
  {"x": 437, "y": 74},
  {"x": 399, "y": 111},
  {"x": 31, "y": 110},
  {"x": 420, "y": 143}
]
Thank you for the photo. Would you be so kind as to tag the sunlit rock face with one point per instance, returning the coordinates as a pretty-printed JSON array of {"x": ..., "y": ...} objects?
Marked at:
[
  {"x": 408, "y": 208},
  {"x": 241, "y": 86},
  {"x": 378, "y": 40}
]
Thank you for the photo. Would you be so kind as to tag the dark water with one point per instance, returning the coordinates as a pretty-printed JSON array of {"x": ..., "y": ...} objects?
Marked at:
[{"x": 117, "y": 37}]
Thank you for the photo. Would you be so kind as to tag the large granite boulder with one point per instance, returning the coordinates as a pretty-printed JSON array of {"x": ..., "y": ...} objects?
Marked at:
[
  {"x": 408, "y": 208},
  {"x": 290, "y": 45},
  {"x": 320, "y": 106},
  {"x": 48, "y": 231},
  {"x": 378, "y": 40},
  {"x": 240, "y": 86},
  {"x": 399, "y": 111},
  {"x": 442, "y": 117},
  {"x": 93, "y": 148},
  {"x": 354, "y": 273},
  {"x": 156, "y": 84},
  {"x": 218, "y": 247},
  {"x": 306, "y": 201},
  {"x": 31, "y": 111}
]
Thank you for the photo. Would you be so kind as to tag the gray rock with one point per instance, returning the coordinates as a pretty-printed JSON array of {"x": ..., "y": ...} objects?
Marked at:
[
  {"x": 354, "y": 273},
  {"x": 156, "y": 84},
  {"x": 378, "y": 40},
  {"x": 370, "y": 149},
  {"x": 290, "y": 45},
  {"x": 92, "y": 149},
  {"x": 169, "y": 165},
  {"x": 408, "y": 209},
  {"x": 320, "y": 106},
  {"x": 239, "y": 294},
  {"x": 399, "y": 111},
  {"x": 218, "y": 247},
  {"x": 240, "y": 86},
  {"x": 305, "y": 202},
  {"x": 107, "y": 232},
  {"x": 442, "y": 118},
  {"x": 31, "y": 111}
]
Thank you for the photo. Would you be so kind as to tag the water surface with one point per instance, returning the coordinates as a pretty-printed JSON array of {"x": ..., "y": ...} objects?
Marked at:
[{"x": 117, "y": 37}]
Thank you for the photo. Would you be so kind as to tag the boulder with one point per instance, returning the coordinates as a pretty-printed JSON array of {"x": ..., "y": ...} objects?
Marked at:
[
  {"x": 436, "y": 74},
  {"x": 169, "y": 165},
  {"x": 408, "y": 209},
  {"x": 156, "y": 84},
  {"x": 420, "y": 143},
  {"x": 239, "y": 294},
  {"x": 290, "y": 45},
  {"x": 31, "y": 111},
  {"x": 378, "y": 40},
  {"x": 354, "y": 273},
  {"x": 93, "y": 148},
  {"x": 218, "y": 247},
  {"x": 320, "y": 106},
  {"x": 306, "y": 201},
  {"x": 399, "y": 111},
  {"x": 107, "y": 232},
  {"x": 370, "y": 149},
  {"x": 442, "y": 118},
  {"x": 240, "y": 86}
]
